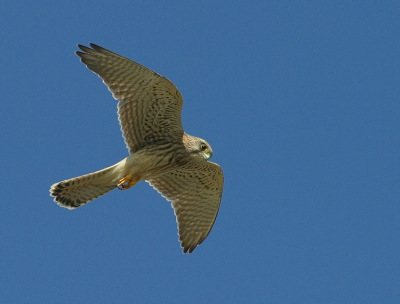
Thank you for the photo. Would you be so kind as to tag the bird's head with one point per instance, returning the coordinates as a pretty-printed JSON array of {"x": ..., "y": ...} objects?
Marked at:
[
  {"x": 198, "y": 147},
  {"x": 204, "y": 149}
]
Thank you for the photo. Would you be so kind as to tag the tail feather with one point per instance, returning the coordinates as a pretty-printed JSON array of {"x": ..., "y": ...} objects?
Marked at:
[{"x": 75, "y": 192}]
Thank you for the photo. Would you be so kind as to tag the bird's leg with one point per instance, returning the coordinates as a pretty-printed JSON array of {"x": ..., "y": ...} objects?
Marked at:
[{"x": 127, "y": 182}]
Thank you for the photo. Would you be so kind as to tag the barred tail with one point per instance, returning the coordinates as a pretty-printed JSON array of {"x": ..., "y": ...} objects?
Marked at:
[{"x": 75, "y": 192}]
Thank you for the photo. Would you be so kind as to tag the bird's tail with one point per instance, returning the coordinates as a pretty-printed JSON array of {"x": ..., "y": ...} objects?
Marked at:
[{"x": 75, "y": 192}]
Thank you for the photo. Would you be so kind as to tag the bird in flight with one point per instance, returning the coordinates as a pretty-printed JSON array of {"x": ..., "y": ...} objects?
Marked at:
[{"x": 173, "y": 162}]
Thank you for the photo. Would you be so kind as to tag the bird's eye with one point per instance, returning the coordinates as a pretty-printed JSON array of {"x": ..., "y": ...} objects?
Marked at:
[{"x": 203, "y": 147}]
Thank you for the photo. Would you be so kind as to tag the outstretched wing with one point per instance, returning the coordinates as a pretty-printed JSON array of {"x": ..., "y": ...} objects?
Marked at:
[
  {"x": 149, "y": 107},
  {"x": 195, "y": 190}
]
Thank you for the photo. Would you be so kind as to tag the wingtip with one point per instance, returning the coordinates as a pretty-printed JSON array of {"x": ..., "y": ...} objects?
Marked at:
[
  {"x": 189, "y": 248},
  {"x": 94, "y": 45},
  {"x": 81, "y": 46},
  {"x": 84, "y": 50},
  {"x": 93, "y": 49}
]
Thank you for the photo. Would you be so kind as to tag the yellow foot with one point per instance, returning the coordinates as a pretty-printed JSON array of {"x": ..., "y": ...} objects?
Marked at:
[{"x": 127, "y": 182}]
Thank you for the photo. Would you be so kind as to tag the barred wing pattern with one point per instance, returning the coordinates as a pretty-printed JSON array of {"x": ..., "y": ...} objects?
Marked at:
[
  {"x": 195, "y": 190},
  {"x": 150, "y": 105}
]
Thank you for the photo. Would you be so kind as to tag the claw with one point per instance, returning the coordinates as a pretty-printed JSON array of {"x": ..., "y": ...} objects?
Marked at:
[{"x": 127, "y": 182}]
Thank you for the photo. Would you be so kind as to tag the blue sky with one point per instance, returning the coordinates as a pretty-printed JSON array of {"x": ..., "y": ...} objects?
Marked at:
[{"x": 300, "y": 103}]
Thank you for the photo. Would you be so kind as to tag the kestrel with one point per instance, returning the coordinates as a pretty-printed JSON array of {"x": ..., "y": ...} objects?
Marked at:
[{"x": 161, "y": 153}]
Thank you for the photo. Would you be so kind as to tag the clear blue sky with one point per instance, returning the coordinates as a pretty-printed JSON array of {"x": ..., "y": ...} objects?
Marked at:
[{"x": 300, "y": 101}]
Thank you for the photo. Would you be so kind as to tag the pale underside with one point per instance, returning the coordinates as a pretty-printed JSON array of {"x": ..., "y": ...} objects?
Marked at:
[{"x": 149, "y": 111}]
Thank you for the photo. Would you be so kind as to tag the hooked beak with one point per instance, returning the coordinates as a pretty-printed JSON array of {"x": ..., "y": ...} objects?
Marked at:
[{"x": 207, "y": 154}]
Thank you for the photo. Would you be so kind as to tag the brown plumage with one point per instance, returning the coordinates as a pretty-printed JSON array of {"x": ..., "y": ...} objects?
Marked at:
[{"x": 161, "y": 153}]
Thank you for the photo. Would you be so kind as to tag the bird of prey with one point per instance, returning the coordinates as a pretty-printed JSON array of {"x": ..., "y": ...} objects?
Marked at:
[{"x": 161, "y": 153}]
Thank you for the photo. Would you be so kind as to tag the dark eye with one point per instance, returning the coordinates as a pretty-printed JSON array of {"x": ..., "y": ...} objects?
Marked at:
[{"x": 203, "y": 147}]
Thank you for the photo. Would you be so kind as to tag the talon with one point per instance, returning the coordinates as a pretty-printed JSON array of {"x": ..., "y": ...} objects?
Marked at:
[{"x": 127, "y": 182}]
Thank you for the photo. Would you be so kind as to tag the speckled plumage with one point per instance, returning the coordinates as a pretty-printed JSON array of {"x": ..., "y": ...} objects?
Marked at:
[{"x": 161, "y": 153}]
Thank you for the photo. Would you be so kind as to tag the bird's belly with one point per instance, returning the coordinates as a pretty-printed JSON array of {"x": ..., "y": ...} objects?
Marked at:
[{"x": 144, "y": 164}]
